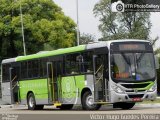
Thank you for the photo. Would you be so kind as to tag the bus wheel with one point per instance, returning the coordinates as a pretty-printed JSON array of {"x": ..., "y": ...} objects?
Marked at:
[
  {"x": 66, "y": 107},
  {"x": 31, "y": 102},
  {"x": 87, "y": 102},
  {"x": 124, "y": 105}
]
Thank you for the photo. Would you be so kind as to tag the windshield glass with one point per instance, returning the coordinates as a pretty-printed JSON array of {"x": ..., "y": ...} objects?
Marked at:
[{"x": 132, "y": 66}]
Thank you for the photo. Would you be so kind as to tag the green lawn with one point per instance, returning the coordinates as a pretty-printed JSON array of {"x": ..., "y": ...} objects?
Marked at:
[{"x": 150, "y": 102}]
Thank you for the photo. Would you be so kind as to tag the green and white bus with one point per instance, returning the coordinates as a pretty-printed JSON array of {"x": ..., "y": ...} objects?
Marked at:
[{"x": 118, "y": 72}]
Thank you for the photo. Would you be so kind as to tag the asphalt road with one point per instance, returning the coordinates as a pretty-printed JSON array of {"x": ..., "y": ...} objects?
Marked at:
[
  {"x": 106, "y": 109},
  {"x": 139, "y": 112}
]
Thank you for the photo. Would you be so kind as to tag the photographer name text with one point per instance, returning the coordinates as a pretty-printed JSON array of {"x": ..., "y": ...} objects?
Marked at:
[
  {"x": 124, "y": 117},
  {"x": 146, "y": 6}
]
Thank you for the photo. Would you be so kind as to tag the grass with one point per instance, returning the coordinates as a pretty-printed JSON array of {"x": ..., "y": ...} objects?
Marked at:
[{"x": 150, "y": 102}]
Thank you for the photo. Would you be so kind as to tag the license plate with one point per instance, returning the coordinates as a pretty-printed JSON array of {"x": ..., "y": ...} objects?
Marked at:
[{"x": 136, "y": 99}]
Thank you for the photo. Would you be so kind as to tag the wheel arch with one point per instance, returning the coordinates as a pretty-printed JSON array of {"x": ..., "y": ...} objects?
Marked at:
[
  {"x": 84, "y": 90},
  {"x": 28, "y": 94}
]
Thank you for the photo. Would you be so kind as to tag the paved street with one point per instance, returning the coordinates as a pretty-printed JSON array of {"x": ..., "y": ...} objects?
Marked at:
[
  {"x": 50, "y": 112},
  {"x": 139, "y": 108},
  {"x": 20, "y": 112}
]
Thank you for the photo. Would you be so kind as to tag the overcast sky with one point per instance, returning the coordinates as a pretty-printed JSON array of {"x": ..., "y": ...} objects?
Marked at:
[{"x": 89, "y": 24}]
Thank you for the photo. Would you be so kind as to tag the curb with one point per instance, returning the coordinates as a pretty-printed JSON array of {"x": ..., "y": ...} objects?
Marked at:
[{"x": 6, "y": 106}]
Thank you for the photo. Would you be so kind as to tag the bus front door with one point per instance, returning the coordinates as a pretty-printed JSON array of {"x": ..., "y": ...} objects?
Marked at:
[
  {"x": 52, "y": 83},
  {"x": 100, "y": 85},
  {"x": 14, "y": 83}
]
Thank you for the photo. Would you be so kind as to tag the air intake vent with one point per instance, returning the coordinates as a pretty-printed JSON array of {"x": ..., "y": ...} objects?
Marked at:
[
  {"x": 135, "y": 85},
  {"x": 136, "y": 96}
]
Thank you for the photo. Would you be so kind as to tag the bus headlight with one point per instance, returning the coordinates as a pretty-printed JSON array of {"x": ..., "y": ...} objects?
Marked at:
[
  {"x": 117, "y": 89},
  {"x": 153, "y": 88}
]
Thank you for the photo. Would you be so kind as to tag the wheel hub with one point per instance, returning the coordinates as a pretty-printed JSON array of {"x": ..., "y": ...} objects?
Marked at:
[
  {"x": 89, "y": 101},
  {"x": 31, "y": 102}
]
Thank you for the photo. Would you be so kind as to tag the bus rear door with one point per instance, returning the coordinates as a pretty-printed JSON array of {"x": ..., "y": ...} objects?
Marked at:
[
  {"x": 14, "y": 83},
  {"x": 52, "y": 82}
]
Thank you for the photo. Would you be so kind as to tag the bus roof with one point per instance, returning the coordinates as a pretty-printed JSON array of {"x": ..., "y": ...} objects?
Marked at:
[
  {"x": 51, "y": 53},
  {"x": 68, "y": 50},
  {"x": 8, "y": 60}
]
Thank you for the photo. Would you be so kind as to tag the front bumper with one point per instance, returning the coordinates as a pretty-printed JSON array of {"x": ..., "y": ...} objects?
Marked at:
[{"x": 132, "y": 96}]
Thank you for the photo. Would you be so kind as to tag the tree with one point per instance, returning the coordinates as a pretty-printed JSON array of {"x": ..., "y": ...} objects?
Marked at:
[
  {"x": 133, "y": 25},
  {"x": 157, "y": 51},
  {"x": 44, "y": 24},
  {"x": 86, "y": 38}
]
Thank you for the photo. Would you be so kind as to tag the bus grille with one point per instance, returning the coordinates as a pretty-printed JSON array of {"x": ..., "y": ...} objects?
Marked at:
[
  {"x": 136, "y": 96},
  {"x": 135, "y": 85},
  {"x": 134, "y": 90}
]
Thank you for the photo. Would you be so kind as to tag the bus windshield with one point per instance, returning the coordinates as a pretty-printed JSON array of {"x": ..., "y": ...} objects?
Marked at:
[{"x": 132, "y": 66}]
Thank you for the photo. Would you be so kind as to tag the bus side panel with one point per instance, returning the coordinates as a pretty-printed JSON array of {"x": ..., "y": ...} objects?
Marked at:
[
  {"x": 39, "y": 89},
  {"x": 71, "y": 89},
  {"x": 80, "y": 84},
  {"x": 6, "y": 93}
]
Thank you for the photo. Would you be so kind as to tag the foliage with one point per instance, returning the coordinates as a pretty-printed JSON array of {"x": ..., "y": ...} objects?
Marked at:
[
  {"x": 44, "y": 24},
  {"x": 133, "y": 25},
  {"x": 86, "y": 38},
  {"x": 157, "y": 51}
]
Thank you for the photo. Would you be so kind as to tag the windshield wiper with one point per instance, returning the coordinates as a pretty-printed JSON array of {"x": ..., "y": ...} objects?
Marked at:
[
  {"x": 140, "y": 57},
  {"x": 127, "y": 61}
]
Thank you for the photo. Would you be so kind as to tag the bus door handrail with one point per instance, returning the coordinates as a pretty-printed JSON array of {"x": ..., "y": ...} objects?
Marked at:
[
  {"x": 14, "y": 78},
  {"x": 98, "y": 69},
  {"x": 100, "y": 78},
  {"x": 14, "y": 86}
]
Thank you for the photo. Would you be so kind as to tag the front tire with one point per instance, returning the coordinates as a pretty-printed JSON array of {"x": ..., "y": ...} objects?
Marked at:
[{"x": 88, "y": 102}]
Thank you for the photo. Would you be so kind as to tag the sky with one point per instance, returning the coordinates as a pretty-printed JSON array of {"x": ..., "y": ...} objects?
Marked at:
[{"x": 89, "y": 24}]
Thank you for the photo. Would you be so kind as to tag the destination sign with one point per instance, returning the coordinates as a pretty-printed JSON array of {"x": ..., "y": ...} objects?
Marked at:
[{"x": 131, "y": 47}]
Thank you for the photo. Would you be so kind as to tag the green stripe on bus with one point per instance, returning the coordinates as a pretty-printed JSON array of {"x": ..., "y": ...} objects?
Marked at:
[
  {"x": 147, "y": 87},
  {"x": 51, "y": 53}
]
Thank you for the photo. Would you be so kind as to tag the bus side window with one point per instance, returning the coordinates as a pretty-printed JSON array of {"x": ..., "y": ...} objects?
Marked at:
[
  {"x": 5, "y": 72},
  {"x": 35, "y": 68},
  {"x": 71, "y": 65},
  {"x": 42, "y": 68},
  {"x": 80, "y": 63},
  {"x": 24, "y": 71},
  {"x": 67, "y": 65},
  {"x": 59, "y": 68},
  {"x": 88, "y": 63},
  {"x": 30, "y": 69}
]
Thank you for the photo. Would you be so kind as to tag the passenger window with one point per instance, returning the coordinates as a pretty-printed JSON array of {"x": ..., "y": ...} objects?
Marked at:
[
  {"x": 5, "y": 72},
  {"x": 71, "y": 65}
]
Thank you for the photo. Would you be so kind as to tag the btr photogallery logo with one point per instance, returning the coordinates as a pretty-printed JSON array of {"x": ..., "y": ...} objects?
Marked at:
[{"x": 117, "y": 6}]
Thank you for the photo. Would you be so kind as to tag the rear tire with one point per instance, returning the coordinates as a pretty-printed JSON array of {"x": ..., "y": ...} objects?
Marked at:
[
  {"x": 66, "y": 107},
  {"x": 87, "y": 102},
  {"x": 32, "y": 103},
  {"x": 124, "y": 105}
]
